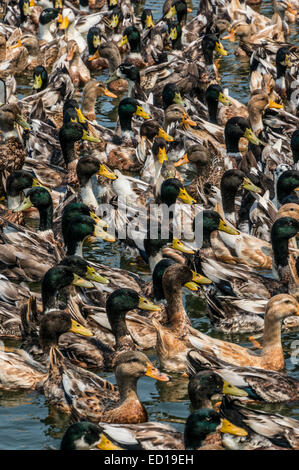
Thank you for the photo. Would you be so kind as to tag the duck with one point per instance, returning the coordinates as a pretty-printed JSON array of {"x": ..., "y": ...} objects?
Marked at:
[
  {"x": 111, "y": 404},
  {"x": 19, "y": 370},
  {"x": 201, "y": 432},
  {"x": 260, "y": 384},
  {"x": 131, "y": 36},
  {"x": 277, "y": 431},
  {"x": 79, "y": 73},
  {"x": 91, "y": 91},
  {"x": 47, "y": 24},
  {"x": 13, "y": 152}
]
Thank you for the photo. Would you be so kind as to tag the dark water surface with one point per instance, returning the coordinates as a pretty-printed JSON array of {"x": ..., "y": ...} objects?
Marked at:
[{"x": 26, "y": 422}]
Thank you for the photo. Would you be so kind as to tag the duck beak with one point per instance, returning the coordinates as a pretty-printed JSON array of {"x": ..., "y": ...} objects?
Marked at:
[
  {"x": 140, "y": 112},
  {"x": 220, "y": 49},
  {"x": 70, "y": 54},
  {"x": 178, "y": 245},
  {"x": 89, "y": 137},
  {"x": 187, "y": 121},
  {"x": 100, "y": 223},
  {"x": 36, "y": 183},
  {"x": 145, "y": 304},
  {"x": 178, "y": 99},
  {"x": 197, "y": 279},
  {"x": 287, "y": 61},
  {"x": 149, "y": 21},
  {"x": 32, "y": 4},
  {"x": 81, "y": 117},
  {"x": 182, "y": 161},
  {"x": 223, "y": 227},
  {"x": 185, "y": 197},
  {"x": 105, "y": 236},
  {"x": 79, "y": 329},
  {"x": 64, "y": 23},
  {"x": 223, "y": 99},
  {"x": 247, "y": 184},
  {"x": 105, "y": 171},
  {"x": 228, "y": 427},
  {"x": 106, "y": 444},
  {"x": 123, "y": 41},
  {"x": 109, "y": 93},
  {"x": 154, "y": 373},
  {"x": 291, "y": 10},
  {"x": 59, "y": 19},
  {"x": 164, "y": 135},
  {"x": 21, "y": 121},
  {"x": 25, "y": 204},
  {"x": 38, "y": 82},
  {"x": 95, "y": 56},
  {"x": 80, "y": 282},
  {"x": 58, "y": 4},
  {"x": 231, "y": 36},
  {"x": 26, "y": 9},
  {"x": 162, "y": 155},
  {"x": 96, "y": 41},
  {"x": 251, "y": 137},
  {"x": 114, "y": 22},
  {"x": 171, "y": 12},
  {"x": 274, "y": 105},
  {"x": 18, "y": 44},
  {"x": 173, "y": 34},
  {"x": 189, "y": 10},
  {"x": 229, "y": 389},
  {"x": 92, "y": 275}
]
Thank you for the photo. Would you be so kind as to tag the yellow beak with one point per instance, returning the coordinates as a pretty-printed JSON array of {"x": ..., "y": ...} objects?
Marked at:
[
  {"x": 149, "y": 21},
  {"x": 79, "y": 329},
  {"x": 140, "y": 112},
  {"x": 178, "y": 245},
  {"x": 105, "y": 171},
  {"x": 38, "y": 82},
  {"x": 171, "y": 12},
  {"x": 228, "y": 427},
  {"x": 114, "y": 22},
  {"x": 247, "y": 184},
  {"x": 123, "y": 41},
  {"x": 220, "y": 49},
  {"x": 25, "y": 204},
  {"x": 89, "y": 137},
  {"x": 103, "y": 235},
  {"x": 223, "y": 99},
  {"x": 22, "y": 122},
  {"x": 80, "y": 282},
  {"x": 187, "y": 121},
  {"x": 251, "y": 137},
  {"x": 223, "y": 227},
  {"x": 164, "y": 135},
  {"x": 145, "y": 304},
  {"x": 81, "y": 117},
  {"x": 106, "y": 444},
  {"x": 173, "y": 34},
  {"x": 229, "y": 389},
  {"x": 185, "y": 197},
  {"x": 92, "y": 275}
]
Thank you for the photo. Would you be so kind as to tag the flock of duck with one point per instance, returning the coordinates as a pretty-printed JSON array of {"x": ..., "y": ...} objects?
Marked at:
[{"x": 62, "y": 168}]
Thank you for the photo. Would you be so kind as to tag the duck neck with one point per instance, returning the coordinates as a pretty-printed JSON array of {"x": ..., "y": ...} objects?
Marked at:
[
  {"x": 206, "y": 238},
  {"x": 123, "y": 340},
  {"x": 131, "y": 86},
  {"x": 135, "y": 46},
  {"x": 280, "y": 249},
  {"x": 231, "y": 142},
  {"x": 68, "y": 151},
  {"x": 154, "y": 259},
  {"x": 125, "y": 124},
  {"x": 208, "y": 56},
  {"x": 175, "y": 308},
  {"x": 13, "y": 202},
  {"x": 127, "y": 388},
  {"x": 46, "y": 219},
  {"x": 88, "y": 196},
  {"x": 48, "y": 298},
  {"x": 74, "y": 247},
  {"x": 45, "y": 33},
  {"x": 256, "y": 122},
  {"x": 272, "y": 338},
  {"x": 213, "y": 109},
  {"x": 281, "y": 70},
  {"x": 228, "y": 195}
]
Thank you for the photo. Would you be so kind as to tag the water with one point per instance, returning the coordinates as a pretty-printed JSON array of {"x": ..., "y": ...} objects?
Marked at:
[{"x": 26, "y": 422}]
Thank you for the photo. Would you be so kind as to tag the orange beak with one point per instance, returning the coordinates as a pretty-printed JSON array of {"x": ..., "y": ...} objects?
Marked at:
[
  {"x": 109, "y": 93},
  {"x": 182, "y": 161},
  {"x": 154, "y": 373}
]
